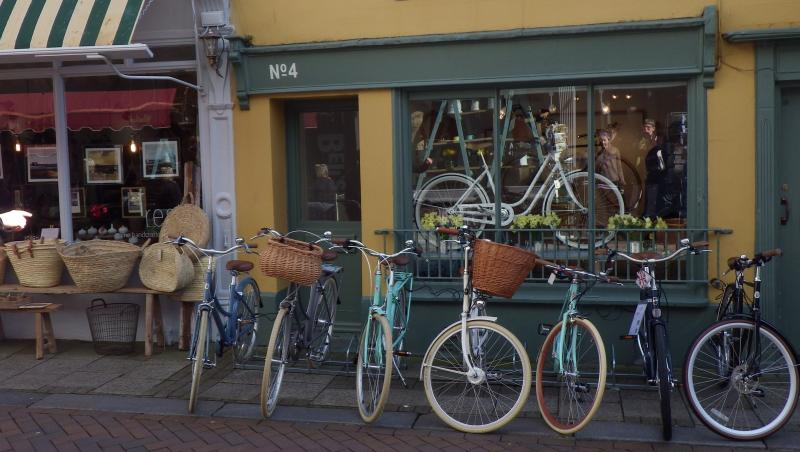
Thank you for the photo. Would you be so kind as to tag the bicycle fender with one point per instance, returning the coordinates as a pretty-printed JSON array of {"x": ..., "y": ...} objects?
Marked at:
[{"x": 458, "y": 322}]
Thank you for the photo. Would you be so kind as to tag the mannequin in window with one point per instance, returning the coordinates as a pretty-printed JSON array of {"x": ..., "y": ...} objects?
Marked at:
[
  {"x": 608, "y": 161},
  {"x": 655, "y": 163},
  {"x": 419, "y": 141}
]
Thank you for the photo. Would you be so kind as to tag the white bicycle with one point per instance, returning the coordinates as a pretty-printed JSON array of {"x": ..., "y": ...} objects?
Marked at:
[{"x": 564, "y": 193}]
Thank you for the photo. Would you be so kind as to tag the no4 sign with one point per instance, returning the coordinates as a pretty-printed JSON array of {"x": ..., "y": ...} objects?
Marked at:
[{"x": 282, "y": 70}]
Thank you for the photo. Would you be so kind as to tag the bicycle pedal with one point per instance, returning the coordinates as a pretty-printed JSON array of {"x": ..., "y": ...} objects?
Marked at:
[
  {"x": 402, "y": 353},
  {"x": 544, "y": 329},
  {"x": 627, "y": 337}
]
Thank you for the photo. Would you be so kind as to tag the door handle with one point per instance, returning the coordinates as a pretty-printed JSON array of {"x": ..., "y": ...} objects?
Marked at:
[{"x": 785, "y": 217}]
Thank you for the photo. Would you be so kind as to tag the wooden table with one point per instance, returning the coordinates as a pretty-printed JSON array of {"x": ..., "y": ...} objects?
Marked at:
[
  {"x": 153, "y": 321},
  {"x": 43, "y": 326}
]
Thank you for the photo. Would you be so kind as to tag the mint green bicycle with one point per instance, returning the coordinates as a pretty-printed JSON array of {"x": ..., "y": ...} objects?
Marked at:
[
  {"x": 383, "y": 336},
  {"x": 571, "y": 369}
]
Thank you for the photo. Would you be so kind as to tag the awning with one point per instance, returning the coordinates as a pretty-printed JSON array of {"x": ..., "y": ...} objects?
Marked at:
[
  {"x": 41, "y": 30},
  {"x": 94, "y": 110}
]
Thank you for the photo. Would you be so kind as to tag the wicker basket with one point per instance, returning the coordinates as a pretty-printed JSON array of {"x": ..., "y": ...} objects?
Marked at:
[
  {"x": 36, "y": 263},
  {"x": 3, "y": 265},
  {"x": 100, "y": 265},
  {"x": 188, "y": 220},
  {"x": 165, "y": 267},
  {"x": 195, "y": 290},
  {"x": 499, "y": 269},
  {"x": 293, "y": 260}
]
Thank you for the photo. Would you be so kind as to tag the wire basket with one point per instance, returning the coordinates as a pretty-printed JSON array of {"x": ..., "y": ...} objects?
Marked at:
[
  {"x": 499, "y": 269},
  {"x": 293, "y": 260},
  {"x": 113, "y": 326}
]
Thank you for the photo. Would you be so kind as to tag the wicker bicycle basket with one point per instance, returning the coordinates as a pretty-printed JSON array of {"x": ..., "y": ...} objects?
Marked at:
[
  {"x": 293, "y": 260},
  {"x": 36, "y": 263},
  {"x": 100, "y": 265},
  {"x": 499, "y": 269}
]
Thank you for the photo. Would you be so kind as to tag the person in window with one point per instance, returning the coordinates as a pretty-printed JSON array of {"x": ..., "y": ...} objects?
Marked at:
[
  {"x": 655, "y": 164},
  {"x": 14, "y": 220},
  {"x": 608, "y": 161},
  {"x": 419, "y": 138},
  {"x": 322, "y": 195}
]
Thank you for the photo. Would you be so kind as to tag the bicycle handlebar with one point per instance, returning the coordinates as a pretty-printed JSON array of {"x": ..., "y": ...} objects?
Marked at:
[
  {"x": 742, "y": 262},
  {"x": 181, "y": 241},
  {"x": 564, "y": 270},
  {"x": 693, "y": 248}
]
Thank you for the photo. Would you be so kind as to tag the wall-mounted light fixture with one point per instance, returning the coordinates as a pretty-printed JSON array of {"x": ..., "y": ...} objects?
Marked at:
[
  {"x": 132, "y": 146},
  {"x": 17, "y": 145},
  {"x": 214, "y": 31}
]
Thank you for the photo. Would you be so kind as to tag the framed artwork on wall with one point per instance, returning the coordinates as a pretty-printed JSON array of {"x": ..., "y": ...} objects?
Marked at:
[
  {"x": 42, "y": 163},
  {"x": 104, "y": 165},
  {"x": 160, "y": 159},
  {"x": 78, "y": 202},
  {"x": 133, "y": 202}
]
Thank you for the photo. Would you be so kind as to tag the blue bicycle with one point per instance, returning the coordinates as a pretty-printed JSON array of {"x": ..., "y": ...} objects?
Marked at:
[{"x": 236, "y": 326}]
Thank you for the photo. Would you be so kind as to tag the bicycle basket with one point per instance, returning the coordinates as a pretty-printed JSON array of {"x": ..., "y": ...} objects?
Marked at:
[
  {"x": 499, "y": 269},
  {"x": 293, "y": 260}
]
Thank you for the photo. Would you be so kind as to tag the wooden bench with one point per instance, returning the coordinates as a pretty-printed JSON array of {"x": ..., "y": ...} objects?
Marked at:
[
  {"x": 43, "y": 325},
  {"x": 153, "y": 321}
]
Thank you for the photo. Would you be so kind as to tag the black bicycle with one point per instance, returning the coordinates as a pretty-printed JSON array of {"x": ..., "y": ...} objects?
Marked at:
[
  {"x": 649, "y": 326},
  {"x": 741, "y": 376}
]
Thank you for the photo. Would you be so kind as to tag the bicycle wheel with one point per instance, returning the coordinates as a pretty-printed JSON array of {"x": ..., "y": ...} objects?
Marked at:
[
  {"x": 441, "y": 194},
  {"x": 490, "y": 399},
  {"x": 246, "y": 320},
  {"x": 573, "y": 395},
  {"x": 374, "y": 369},
  {"x": 745, "y": 402},
  {"x": 608, "y": 201},
  {"x": 633, "y": 188},
  {"x": 664, "y": 372},
  {"x": 323, "y": 316},
  {"x": 200, "y": 337},
  {"x": 275, "y": 362}
]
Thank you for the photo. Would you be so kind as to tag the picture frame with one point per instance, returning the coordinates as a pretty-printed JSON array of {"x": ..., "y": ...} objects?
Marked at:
[
  {"x": 134, "y": 202},
  {"x": 42, "y": 163},
  {"x": 160, "y": 159},
  {"x": 103, "y": 165},
  {"x": 78, "y": 202}
]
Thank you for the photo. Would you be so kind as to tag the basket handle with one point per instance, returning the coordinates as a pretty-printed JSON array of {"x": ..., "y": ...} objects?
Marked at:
[
  {"x": 100, "y": 300},
  {"x": 188, "y": 198}
]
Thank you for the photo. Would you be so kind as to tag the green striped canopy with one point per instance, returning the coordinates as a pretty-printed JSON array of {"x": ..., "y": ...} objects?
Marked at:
[{"x": 35, "y": 24}]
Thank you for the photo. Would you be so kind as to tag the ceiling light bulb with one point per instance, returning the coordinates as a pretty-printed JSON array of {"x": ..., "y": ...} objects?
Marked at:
[
  {"x": 613, "y": 96},
  {"x": 133, "y": 146},
  {"x": 627, "y": 96},
  {"x": 18, "y": 145},
  {"x": 605, "y": 108}
]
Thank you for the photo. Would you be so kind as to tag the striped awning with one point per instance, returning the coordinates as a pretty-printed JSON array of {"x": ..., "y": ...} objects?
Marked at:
[{"x": 48, "y": 24}]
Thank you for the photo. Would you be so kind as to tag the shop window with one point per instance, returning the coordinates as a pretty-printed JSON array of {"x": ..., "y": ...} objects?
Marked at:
[{"x": 129, "y": 145}]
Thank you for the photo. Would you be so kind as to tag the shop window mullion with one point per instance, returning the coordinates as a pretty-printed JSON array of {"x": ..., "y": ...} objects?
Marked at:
[
  {"x": 497, "y": 159},
  {"x": 590, "y": 170}
]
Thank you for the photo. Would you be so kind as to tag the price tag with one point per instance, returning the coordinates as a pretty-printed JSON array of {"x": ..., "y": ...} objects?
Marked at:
[
  {"x": 636, "y": 322},
  {"x": 551, "y": 279}
]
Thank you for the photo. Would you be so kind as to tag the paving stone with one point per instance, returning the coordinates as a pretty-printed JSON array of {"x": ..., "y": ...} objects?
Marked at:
[
  {"x": 303, "y": 377},
  {"x": 113, "y": 365},
  {"x": 784, "y": 439},
  {"x": 149, "y": 405},
  {"x": 233, "y": 392},
  {"x": 8, "y": 348},
  {"x": 16, "y": 398},
  {"x": 62, "y": 365},
  {"x": 335, "y": 397},
  {"x": 26, "y": 381},
  {"x": 127, "y": 386},
  {"x": 80, "y": 380}
]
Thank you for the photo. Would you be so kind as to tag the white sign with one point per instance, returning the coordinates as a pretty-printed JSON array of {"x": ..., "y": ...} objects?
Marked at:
[{"x": 282, "y": 70}]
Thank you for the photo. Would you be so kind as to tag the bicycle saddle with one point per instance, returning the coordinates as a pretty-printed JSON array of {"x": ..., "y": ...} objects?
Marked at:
[{"x": 239, "y": 266}]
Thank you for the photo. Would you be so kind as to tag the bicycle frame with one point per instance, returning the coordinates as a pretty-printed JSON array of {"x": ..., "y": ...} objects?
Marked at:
[
  {"x": 384, "y": 305},
  {"x": 568, "y": 311}
]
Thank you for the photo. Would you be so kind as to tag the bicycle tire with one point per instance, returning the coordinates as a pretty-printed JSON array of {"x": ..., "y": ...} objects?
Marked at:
[
  {"x": 633, "y": 188},
  {"x": 372, "y": 389},
  {"x": 561, "y": 418},
  {"x": 323, "y": 318},
  {"x": 664, "y": 379},
  {"x": 246, "y": 320},
  {"x": 272, "y": 378},
  {"x": 608, "y": 202},
  {"x": 697, "y": 382},
  {"x": 199, "y": 358},
  {"x": 516, "y": 370},
  {"x": 441, "y": 193}
]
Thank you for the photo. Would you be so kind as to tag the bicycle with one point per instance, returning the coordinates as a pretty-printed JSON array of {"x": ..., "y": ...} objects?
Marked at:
[
  {"x": 649, "y": 327},
  {"x": 300, "y": 331},
  {"x": 462, "y": 195},
  {"x": 476, "y": 373},
  {"x": 242, "y": 314},
  {"x": 741, "y": 376},
  {"x": 574, "y": 354}
]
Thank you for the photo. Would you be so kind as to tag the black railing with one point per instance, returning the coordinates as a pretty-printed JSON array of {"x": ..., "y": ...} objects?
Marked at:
[{"x": 442, "y": 258}]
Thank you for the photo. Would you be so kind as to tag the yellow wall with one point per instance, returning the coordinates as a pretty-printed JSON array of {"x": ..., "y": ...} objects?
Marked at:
[
  {"x": 731, "y": 103},
  {"x": 260, "y": 143}
]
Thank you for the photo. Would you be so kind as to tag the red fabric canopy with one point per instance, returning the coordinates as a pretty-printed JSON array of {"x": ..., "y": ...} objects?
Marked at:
[{"x": 94, "y": 110}]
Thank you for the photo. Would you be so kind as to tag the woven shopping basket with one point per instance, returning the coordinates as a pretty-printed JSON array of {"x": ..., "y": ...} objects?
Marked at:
[
  {"x": 499, "y": 269},
  {"x": 100, "y": 265},
  {"x": 165, "y": 267},
  {"x": 36, "y": 263},
  {"x": 188, "y": 220},
  {"x": 293, "y": 260},
  {"x": 195, "y": 290},
  {"x": 3, "y": 265}
]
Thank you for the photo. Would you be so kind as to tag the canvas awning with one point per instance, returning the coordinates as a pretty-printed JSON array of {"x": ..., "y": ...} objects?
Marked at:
[
  {"x": 94, "y": 110},
  {"x": 44, "y": 30}
]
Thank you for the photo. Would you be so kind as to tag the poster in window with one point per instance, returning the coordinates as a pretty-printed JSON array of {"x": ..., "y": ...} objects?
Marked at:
[
  {"x": 104, "y": 165},
  {"x": 78, "y": 202},
  {"x": 133, "y": 202},
  {"x": 42, "y": 163},
  {"x": 160, "y": 159}
]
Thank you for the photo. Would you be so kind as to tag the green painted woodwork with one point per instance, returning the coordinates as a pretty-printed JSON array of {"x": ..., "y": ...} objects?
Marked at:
[{"x": 651, "y": 49}]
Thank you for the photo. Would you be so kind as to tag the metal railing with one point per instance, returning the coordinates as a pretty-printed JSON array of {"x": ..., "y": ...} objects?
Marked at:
[{"x": 441, "y": 260}]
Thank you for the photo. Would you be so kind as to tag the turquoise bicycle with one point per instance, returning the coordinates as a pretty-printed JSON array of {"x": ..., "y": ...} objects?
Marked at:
[
  {"x": 572, "y": 358},
  {"x": 383, "y": 336}
]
